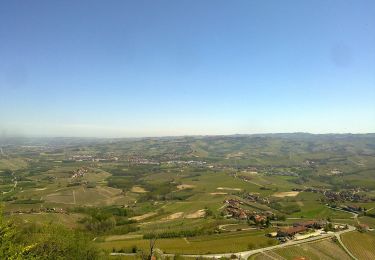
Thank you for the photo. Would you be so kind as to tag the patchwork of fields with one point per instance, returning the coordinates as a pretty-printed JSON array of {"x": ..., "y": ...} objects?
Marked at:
[{"x": 198, "y": 195}]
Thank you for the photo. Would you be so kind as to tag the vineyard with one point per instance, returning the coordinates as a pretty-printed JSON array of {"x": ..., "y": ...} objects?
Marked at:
[
  {"x": 360, "y": 244},
  {"x": 326, "y": 249}
]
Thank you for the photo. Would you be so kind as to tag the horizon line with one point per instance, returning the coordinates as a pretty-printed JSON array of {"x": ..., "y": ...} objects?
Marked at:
[{"x": 177, "y": 136}]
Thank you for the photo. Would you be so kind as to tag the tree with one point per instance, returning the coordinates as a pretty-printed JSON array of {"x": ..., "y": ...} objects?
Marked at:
[
  {"x": 9, "y": 247},
  {"x": 49, "y": 242},
  {"x": 148, "y": 256},
  {"x": 268, "y": 222},
  {"x": 57, "y": 242}
]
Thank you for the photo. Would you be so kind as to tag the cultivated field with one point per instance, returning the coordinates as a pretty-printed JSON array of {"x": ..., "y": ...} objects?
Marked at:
[
  {"x": 360, "y": 244},
  {"x": 326, "y": 249},
  {"x": 198, "y": 245}
]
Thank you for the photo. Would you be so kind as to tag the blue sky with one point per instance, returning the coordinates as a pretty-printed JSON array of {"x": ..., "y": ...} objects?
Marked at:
[{"x": 152, "y": 68}]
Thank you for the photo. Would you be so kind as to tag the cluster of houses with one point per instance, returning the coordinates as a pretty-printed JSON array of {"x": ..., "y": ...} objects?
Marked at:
[
  {"x": 353, "y": 208},
  {"x": 235, "y": 210},
  {"x": 80, "y": 172},
  {"x": 255, "y": 197},
  {"x": 353, "y": 195},
  {"x": 137, "y": 160},
  {"x": 40, "y": 210},
  {"x": 90, "y": 158},
  {"x": 53, "y": 210},
  {"x": 81, "y": 158},
  {"x": 190, "y": 163}
]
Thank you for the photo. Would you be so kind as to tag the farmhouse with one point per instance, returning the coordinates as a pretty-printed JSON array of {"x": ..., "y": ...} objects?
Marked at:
[
  {"x": 259, "y": 218},
  {"x": 80, "y": 172},
  {"x": 291, "y": 231},
  {"x": 236, "y": 212},
  {"x": 363, "y": 227},
  {"x": 310, "y": 224},
  {"x": 352, "y": 208}
]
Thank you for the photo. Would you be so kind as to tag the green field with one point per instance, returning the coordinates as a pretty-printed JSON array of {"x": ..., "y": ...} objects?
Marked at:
[{"x": 222, "y": 243}]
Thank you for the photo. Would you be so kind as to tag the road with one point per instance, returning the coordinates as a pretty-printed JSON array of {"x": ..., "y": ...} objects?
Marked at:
[
  {"x": 355, "y": 215},
  {"x": 246, "y": 254},
  {"x": 223, "y": 227}
]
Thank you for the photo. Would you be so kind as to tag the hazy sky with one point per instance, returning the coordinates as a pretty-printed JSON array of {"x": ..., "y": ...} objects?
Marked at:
[{"x": 157, "y": 67}]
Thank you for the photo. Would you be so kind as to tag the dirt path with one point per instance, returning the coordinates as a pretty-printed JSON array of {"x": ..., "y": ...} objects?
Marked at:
[
  {"x": 285, "y": 194},
  {"x": 223, "y": 227},
  {"x": 221, "y": 207},
  {"x": 138, "y": 189},
  {"x": 227, "y": 188},
  {"x": 174, "y": 216},
  {"x": 123, "y": 237},
  {"x": 197, "y": 214},
  {"x": 185, "y": 186},
  {"x": 257, "y": 184},
  {"x": 144, "y": 216}
]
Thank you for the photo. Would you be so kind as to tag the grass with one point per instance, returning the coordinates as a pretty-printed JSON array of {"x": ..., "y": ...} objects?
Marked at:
[
  {"x": 68, "y": 220},
  {"x": 220, "y": 243},
  {"x": 313, "y": 209}
]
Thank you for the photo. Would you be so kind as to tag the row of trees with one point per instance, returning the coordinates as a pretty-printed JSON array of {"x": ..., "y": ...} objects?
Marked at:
[
  {"x": 102, "y": 220},
  {"x": 180, "y": 233}
]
